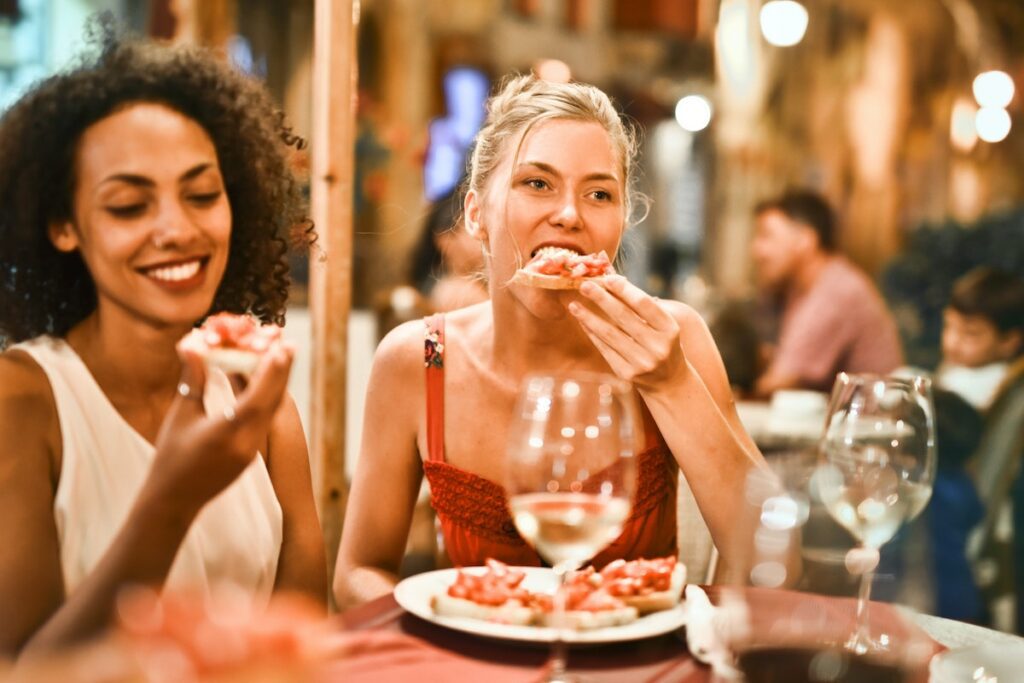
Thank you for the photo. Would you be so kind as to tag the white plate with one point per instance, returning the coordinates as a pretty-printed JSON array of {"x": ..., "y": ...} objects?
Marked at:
[
  {"x": 985, "y": 662},
  {"x": 414, "y": 594}
]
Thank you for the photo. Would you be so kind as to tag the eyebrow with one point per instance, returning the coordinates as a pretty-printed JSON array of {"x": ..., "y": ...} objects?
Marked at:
[
  {"x": 143, "y": 181},
  {"x": 548, "y": 168}
]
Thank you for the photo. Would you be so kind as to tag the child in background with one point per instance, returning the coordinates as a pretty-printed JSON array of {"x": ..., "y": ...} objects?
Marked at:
[
  {"x": 955, "y": 509},
  {"x": 983, "y": 333}
]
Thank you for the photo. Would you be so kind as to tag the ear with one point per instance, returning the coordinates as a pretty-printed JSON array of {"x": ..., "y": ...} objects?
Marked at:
[
  {"x": 63, "y": 236},
  {"x": 1010, "y": 344},
  {"x": 472, "y": 212},
  {"x": 807, "y": 238}
]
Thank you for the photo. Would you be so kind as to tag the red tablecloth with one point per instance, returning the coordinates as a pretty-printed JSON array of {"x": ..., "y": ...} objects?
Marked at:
[{"x": 387, "y": 644}]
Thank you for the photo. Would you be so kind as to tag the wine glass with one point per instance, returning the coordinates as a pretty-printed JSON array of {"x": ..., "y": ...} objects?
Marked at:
[
  {"x": 571, "y": 474},
  {"x": 878, "y": 465}
]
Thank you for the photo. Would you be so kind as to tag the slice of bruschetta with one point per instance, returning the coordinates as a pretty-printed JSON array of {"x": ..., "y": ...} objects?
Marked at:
[
  {"x": 559, "y": 268},
  {"x": 491, "y": 594},
  {"x": 231, "y": 342},
  {"x": 647, "y": 585}
]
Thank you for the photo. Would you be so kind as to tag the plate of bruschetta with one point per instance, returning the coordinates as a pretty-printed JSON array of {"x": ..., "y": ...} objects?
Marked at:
[{"x": 623, "y": 601}]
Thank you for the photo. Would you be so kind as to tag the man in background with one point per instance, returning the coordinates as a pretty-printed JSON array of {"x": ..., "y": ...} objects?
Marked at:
[{"x": 831, "y": 316}]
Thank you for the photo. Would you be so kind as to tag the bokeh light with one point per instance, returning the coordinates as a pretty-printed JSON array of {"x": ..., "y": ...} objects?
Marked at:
[
  {"x": 693, "y": 113},
  {"x": 783, "y": 22},
  {"x": 993, "y": 124},
  {"x": 993, "y": 89}
]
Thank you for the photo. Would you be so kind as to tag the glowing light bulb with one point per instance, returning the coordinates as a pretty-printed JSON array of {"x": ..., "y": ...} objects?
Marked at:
[
  {"x": 693, "y": 113},
  {"x": 993, "y": 89},
  {"x": 783, "y": 22},
  {"x": 993, "y": 124}
]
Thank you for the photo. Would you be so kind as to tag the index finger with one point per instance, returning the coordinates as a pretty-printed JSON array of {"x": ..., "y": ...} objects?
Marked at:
[{"x": 640, "y": 301}]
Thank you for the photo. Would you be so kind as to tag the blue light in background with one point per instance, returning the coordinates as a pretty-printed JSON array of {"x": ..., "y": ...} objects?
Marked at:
[{"x": 465, "y": 91}]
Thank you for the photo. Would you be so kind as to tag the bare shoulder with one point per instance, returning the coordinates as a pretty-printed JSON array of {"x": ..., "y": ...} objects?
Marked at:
[
  {"x": 24, "y": 386},
  {"x": 401, "y": 349},
  {"x": 689, "y": 320},
  {"x": 28, "y": 412}
]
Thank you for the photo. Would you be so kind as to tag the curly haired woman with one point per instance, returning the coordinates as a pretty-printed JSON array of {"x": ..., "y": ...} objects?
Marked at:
[{"x": 141, "y": 191}]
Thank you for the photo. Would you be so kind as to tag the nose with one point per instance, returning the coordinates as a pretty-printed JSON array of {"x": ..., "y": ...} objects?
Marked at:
[
  {"x": 174, "y": 228},
  {"x": 567, "y": 213}
]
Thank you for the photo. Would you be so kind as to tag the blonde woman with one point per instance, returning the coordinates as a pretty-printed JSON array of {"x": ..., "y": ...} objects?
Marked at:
[{"x": 551, "y": 167}]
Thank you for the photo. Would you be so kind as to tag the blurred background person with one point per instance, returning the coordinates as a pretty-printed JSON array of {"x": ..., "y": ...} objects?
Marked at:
[
  {"x": 831, "y": 318},
  {"x": 982, "y": 334},
  {"x": 448, "y": 264},
  {"x": 955, "y": 509}
]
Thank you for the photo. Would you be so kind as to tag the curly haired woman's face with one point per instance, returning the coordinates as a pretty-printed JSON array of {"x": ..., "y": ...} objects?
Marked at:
[{"x": 151, "y": 217}]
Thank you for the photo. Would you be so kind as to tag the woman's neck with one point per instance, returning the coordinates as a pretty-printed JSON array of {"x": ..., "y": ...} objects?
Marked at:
[
  {"x": 526, "y": 342},
  {"x": 128, "y": 356}
]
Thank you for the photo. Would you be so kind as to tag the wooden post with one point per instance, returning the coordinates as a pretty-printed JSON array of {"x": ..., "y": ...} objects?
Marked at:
[{"x": 333, "y": 138}]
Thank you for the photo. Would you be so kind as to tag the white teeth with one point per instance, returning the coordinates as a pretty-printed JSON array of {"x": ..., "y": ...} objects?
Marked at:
[
  {"x": 554, "y": 250},
  {"x": 175, "y": 273}
]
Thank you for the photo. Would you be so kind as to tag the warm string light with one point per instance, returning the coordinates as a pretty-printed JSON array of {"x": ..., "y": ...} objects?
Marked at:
[
  {"x": 693, "y": 113},
  {"x": 783, "y": 22},
  {"x": 993, "y": 91}
]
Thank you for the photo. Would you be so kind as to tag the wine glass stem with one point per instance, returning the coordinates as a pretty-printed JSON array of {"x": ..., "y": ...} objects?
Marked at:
[
  {"x": 860, "y": 642},
  {"x": 556, "y": 664}
]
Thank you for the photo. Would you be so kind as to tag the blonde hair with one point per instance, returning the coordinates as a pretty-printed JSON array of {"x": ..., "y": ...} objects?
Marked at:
[{"x": 524, "y": 101}]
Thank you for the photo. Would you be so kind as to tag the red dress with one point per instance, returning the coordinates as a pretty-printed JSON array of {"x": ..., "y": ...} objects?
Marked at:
[{"x": 473, "y": 511}]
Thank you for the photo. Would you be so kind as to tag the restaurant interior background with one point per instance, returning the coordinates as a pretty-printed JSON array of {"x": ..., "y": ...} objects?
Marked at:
[{"x": 874, "y": 103}]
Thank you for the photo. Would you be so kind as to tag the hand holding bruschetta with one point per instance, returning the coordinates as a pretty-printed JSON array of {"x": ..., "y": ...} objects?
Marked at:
[
  {"x": 636, "y": 336},
  {"x": 198, "y": 454}
]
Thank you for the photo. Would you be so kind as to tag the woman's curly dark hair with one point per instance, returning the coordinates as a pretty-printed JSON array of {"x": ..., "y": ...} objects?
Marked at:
[{"x": 44, "y": 291}]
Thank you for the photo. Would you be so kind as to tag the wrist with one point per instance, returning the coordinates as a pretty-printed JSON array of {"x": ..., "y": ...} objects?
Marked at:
[{"x": 165, "y": 510}]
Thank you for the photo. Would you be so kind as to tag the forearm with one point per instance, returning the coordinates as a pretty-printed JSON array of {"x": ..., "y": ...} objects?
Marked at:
[
  {"x": 142, "y": 553},
  {"x": 712, "y": 455},
  {"x": 302, "y": 568},
  {"x": 361, "y": 584}
]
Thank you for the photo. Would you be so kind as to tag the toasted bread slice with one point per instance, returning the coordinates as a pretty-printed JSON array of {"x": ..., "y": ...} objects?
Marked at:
[
  {"x": 233, "y": 361},
  {"x": 660, "y": 600},
  {"x": 585, "y": 620},
  {"x": 511, "y": 612}
]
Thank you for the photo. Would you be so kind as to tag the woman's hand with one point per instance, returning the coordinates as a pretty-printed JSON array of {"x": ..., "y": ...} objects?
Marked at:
[
  {"x": 198, "y": 455},
  {"x": 636, "y": 336}
]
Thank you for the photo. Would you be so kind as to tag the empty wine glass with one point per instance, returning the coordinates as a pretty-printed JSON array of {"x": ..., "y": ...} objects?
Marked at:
[
  {"x": 878, "y": 465},
  {"x": 571, "y": 474}
]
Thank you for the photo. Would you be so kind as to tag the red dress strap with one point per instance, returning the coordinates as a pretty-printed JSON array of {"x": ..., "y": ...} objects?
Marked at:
[{"x": 433, "y": 359}]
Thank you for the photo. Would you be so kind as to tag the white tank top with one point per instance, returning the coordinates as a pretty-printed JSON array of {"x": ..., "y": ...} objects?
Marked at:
[{"x": 236, "y": 537}]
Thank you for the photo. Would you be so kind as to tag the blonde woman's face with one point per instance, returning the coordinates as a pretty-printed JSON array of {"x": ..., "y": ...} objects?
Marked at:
[{"x": 564, "y": 188}]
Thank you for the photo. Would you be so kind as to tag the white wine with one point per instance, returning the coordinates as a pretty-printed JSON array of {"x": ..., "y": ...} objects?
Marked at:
[
  {"x": 568, "y": 528},
  {"x": 874, "y": 516}
]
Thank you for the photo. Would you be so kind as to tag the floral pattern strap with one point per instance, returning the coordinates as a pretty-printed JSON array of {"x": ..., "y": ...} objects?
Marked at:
[
  {"x": 433, "y": 345},
  {"x": 433, "y": 360}
]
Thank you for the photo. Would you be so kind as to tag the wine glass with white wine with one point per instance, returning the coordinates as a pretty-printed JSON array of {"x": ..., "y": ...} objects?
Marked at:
[
  {"x": 571, "y": 474},
  {"x": 878, "y": 466}
]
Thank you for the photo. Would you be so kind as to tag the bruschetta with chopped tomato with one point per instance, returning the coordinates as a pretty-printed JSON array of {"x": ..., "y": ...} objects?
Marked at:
[{"x": 561, "y": 268}]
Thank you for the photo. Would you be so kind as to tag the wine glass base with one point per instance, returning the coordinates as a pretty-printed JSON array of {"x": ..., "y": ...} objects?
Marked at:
[
  {"x": 562, "y": 678},
  {"x": 863, "y": 643}
]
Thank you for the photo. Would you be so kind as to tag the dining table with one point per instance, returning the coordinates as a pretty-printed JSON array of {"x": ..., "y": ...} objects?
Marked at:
[{"x": 403, "y": 646}]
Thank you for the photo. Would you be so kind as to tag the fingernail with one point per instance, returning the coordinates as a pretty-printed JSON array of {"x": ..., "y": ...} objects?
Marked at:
[
  {"x": 574, "y": 308},
  {"x": 587, "y": 287}
]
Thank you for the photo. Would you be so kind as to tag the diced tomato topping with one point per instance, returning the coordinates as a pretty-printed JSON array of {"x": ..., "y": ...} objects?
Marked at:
[
  {"x": 639, "y": 577},
  {"x": 231, "y": 331},
  {"x": 569, "y": 264},
  {"x": 495, "y": 586}
]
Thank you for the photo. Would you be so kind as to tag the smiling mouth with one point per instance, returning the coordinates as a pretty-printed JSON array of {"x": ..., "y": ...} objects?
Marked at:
[{"x": 175, "y": 272}]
